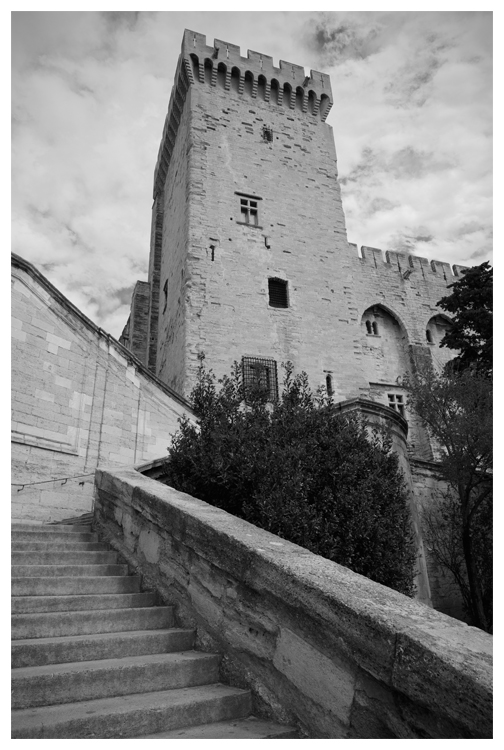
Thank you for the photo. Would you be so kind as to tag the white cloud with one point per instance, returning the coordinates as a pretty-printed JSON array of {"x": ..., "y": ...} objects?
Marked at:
[{"x": 411, "y": 115}]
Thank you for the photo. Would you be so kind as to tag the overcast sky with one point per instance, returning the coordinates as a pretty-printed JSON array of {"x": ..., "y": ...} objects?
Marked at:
[{"x": 412, "y": 120}]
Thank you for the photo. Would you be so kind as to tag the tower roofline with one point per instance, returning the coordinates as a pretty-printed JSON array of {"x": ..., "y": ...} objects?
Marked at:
[{"x": 255, "y": 62}]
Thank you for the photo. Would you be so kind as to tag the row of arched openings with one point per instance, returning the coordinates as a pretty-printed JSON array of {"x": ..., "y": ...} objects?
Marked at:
[{"x": 259, "y": 87}]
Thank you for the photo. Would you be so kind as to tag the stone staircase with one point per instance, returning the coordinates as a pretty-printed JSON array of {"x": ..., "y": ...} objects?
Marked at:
[{"x": 94, "y": 657}]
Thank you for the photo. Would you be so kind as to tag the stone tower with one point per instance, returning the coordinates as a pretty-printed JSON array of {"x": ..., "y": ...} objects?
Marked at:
[{"x": 249, "y": 254}]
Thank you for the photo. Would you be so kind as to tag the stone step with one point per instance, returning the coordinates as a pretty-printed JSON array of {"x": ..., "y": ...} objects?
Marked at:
[
  {"x": 41, "y": 571},
  {"x": 132, "y": 715},
  {"x": 27, "y": 604},
  {"x": 33, "y": 652},
  {"x": 250, "y": 728},
  {"x": 91, "y": 680},
  {"x": 51, "y": 529},
  {"x": 51, "y": 624},
  {"x": 64, "y": 585},
  {"x": 43, "y": 536},
  {"x": 66, "y": 557},
  {"x": 58, "y": 545}
]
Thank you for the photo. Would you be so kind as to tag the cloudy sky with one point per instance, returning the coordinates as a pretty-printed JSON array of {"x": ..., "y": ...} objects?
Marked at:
[{"x": 412, "y": 120}]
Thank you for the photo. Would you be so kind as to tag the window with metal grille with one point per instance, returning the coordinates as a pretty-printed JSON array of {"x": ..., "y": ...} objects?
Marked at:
[
  {"x": 267, "y": 134},
  {"x": 277, "y": 290},
  {"x": 396, "y": 402},
  {"x": 260, "y": 375}
]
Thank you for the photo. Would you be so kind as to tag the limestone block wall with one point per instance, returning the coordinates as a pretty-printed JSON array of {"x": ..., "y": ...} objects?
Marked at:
[
  {"x": 79, "y": 400},
  {"x": 428, "y": 488},
  {"x": 321, "y": 647}
]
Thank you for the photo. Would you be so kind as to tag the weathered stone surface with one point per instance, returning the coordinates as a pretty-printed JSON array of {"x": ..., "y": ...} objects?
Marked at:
[{"x": 336, "y": 653}]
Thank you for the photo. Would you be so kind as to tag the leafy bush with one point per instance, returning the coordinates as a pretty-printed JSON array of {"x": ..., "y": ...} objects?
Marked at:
[{"x": 299, "y": 469}]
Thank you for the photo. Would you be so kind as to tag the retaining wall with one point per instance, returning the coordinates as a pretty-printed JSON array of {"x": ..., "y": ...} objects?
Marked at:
[{"x": 320, "y": 646}]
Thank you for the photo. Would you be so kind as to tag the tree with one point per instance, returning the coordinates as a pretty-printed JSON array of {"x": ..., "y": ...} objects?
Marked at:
[
  {"x": 456, "y": 408},
  {"x": 300, "y": 470},
  {"x": 471, "y": 305}
]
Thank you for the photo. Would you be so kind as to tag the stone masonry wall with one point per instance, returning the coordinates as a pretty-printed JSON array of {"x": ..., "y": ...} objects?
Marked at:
[
  {"x": 79, "y": 400},
  {"x": 321, "y": 647},
  {"x": 216, "y": 266}
]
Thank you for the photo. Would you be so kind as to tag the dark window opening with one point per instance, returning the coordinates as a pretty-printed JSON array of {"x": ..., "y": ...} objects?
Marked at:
[
  {"x": 368, "y": 327},
  {"x": 329, "y": 385},
  {"x": 374, "y": 326},
  {"x": 165, "y": 292},
  {"x": 428, "y": 335},
  {"x": 212, "y": 248},
  {"x": 267, "y": 134},
  {"x": 277, "y": 289},
  {"x": 260, "y": 376},
  {"x": 249, "y": 209},
  {"x": 396, "y": 402}
]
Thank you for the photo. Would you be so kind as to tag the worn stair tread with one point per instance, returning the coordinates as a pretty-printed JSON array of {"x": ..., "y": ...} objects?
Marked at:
[
  {"x": 127, "y": 716},
  {"x": 96, "y": 646},
  {"x": 249, "y": 728},
  {"x": 88, "y": 680},
  {"x": 63, "y": 557},
  {"x": 90, "y": 621},
  {"x": 51, "y": 529},
  {"x": 106, "y": 664},
  {"x": 27, "y": 535},
  {"x": 57, "y": 546},
  {"x": 79, "y": 602},
  {"x": 47, "y": 571},
  {"x": 55, "y": 585}
]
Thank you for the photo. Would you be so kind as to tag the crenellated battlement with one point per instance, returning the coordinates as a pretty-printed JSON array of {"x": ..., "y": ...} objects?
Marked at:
[
  {"x": 310, "y": 94},
  {"x": 254, "y": 76},
  {"x": 407, "y": 262}
]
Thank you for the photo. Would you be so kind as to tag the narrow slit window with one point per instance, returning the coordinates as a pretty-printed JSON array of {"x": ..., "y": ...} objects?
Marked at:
[
  {"x": 165, "y": 292},
  {"x": 277, "y": 291},
  {"x": 428, "y": 335},
  {"x": 374, "y": 326},
  {"x": 368, "y": 327},
  {"x": 329, "y": 384}
]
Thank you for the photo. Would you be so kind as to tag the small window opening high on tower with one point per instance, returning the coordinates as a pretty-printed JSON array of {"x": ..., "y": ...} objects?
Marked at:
[{"x": 249, "y": 209}]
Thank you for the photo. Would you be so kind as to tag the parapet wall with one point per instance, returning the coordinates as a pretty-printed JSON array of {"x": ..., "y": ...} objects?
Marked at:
[
  {"x": 405, "y": 262},
  {"x": 320, "y": 646}
]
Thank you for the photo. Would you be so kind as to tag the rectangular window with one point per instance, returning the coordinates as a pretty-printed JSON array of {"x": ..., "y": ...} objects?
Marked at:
[
  {"x": 249, "y": 209},
  {"x": 277, "y": 290},
  {"x": 396, "y": 402},
  {"x": 261, "y": 375}
]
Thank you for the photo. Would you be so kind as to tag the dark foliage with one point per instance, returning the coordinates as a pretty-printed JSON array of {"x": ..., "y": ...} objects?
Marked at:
[
  {"x": 300, "y": 470},
  {"x": 471, "y": 334},
  {"x": 456, "y": 409}
]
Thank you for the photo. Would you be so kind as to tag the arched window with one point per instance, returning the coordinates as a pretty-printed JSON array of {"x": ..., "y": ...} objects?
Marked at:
[
  {"x": 374, "y": 326},
  {"x": 311, "y": 102},
  {"x": 249, "y": 83},
  {"x": 261, "y": 87},
  {"x": 287, "y": 91},
  {"x": 235, "y": 80},
  {"x": 221, "y": 75},
  {"x": 368, "y": 327},
  {"x": 299, "y": 99},
  {"x": 428, "y": 336},
  {"x": 275, "y": 88},
  {"x": 208, "y": 71}
]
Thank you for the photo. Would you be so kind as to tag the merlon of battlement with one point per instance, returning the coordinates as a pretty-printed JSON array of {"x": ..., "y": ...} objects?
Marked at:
[
  {"x": 405, "y": 262},
  {"x": 255, "y": 63}
]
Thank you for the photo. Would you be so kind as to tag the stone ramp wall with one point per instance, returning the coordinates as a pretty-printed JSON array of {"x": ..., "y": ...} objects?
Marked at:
[
  {"x": 320, "y": 646},
  {"x": 79, "y": 400}
]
